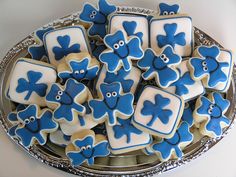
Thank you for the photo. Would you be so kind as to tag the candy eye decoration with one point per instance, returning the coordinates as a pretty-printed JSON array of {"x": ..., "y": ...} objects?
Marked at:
[
  {"x": 26, "y": 121},
  {"x": 60, "y": 92},
  {"x": 121, "y": 43},
  {"x": 88, "y": 147},
  {"x": 81, "y": 71},
  {"x": 205, "y": 68},
  {"x": 163, "y": 56},
  {"x": 114, "y": 94},
  {"x": 94, "y": 12},
  {"x": 58, "y": 97},
  {"x": 171, "y": 13},
  {"x": 166, "y": 60},
  {"x": 92, "y": 42},
  {"x": 209, "y": 111},
  {"x": 212, "y": 106},
  {"x": 76, "y": 72},
  {"x": 116, "y": 46},
  {"x": 165, "y": 13},
  {"x": 83, "y": 148},
  {"x": 92, "y": 16},
  {"x": 108, "y": 94},
  {"x": 32, "y": 118}
]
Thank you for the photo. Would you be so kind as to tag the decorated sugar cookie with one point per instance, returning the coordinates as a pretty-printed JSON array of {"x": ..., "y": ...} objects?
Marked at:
[
  {"x": 59, "y": 138},
  {"x": 172, "y": 147},
  {"x": 63, "y": 41},
  {"x": 37, "y": 51},
  {"x": 185, "y": 86},
  {"x": 210, "y": 114},
  {"x": 97, "y": 47},
  {"x": 128, "y": 79},
  {"x": 97, "y": 17},
  {"x": 29, "y": 81},
  {"x": 166, "y": 9},
  {"x": 160, "y": 66},
  {"x": 124, "y": 137},
  {"x": 85, "y": 147},
  {"x": 34, "y": 125},
  {"x": 111, "y": 104},
  {"x": 158, "y": 112},
  {"x": 213, "y": 66},
  {"x": 176, "y": 31},
  {"x": 132, "y": 25},
  {"x": 79, "y": 66},
  {"x": 120, "y": 51},
  {"x": 66, "y": 101}
]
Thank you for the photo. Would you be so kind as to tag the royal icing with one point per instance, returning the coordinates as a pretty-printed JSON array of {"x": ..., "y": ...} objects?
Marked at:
[
  {"x": 97, "y": 17},
  {"x": 111, "y": 104},
  {"x": 166, "y": 9},
  {"x": 85, "y": 147},
  {"x": 173, "y": 146},
  {"x": 29, "y": 81},
  {"x": 120, "y": 51},
  {"x": 158, "y": 112},
  {"x": 160, "y": 66}
]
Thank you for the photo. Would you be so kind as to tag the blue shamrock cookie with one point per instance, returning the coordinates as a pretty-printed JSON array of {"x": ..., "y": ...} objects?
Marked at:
[
  {"x": 97, "y": 47},
  {"x": 67, "y": 100},
  {"x": 120, "y": 51},
  {"x": 37, "y": 51},
  {"x": 97, "y": 17},
  {"x": 85, "y": 147},
  {"x": 173, "y": 146},
  {"x": 160, "y": 66},
  {"x": 112, "y": 103},
  {"x": 80, "y": 66},
  {"x": 34, "y": 125},
  {"x": 130, "y": 27},
  {"x": 166, "y": 9},
  {"x": 210, "y": 114},
  {"x": 205, "y": 65}
]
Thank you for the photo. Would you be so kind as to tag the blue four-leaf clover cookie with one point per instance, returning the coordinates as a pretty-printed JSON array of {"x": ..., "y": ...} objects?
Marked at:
[
  {"x": 206, "y": 65},
  {"x": 167, "y": 147},
  {"x": 160, "y": 66},
  {"x": 166, "y": 9},
  {"x": 86, "y": 146},
  {"x": 34, "y": 125},
  {"x": 98, "y": 17},
  {"x": 120, "y": 51},
  {"x": 111, "y": 104}
]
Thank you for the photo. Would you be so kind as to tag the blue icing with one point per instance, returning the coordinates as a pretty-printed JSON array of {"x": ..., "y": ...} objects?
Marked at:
[
  {"x": 120, "y": 51},
  {"x": 188, "y": 115},
  {"x": 171, "y": 38},
  {"x": 65, "y": 47},
  {"x": 120, "y": 77},
  {"x": 160, "y": 66},
  {"x": 88, "y": 150},
  {"x": 38, "y": 51},
  {"x": 215, "y": 111},
  {"x": 182, "y": 82},
  {"x": 30, "y": 85},
  {"x": 66, "y": 137},
  {"x": 111, "y": 103},
  {"x": 156, "y": 110},
  {"x": 125, "y": 128},
  {"x": 98, "y": 17},
  {"x": 97, "y": 48},
  {"x": 130, "y": 28},
  {"x": 166, "y": 9},
  {"x": 166, "y": 146},
  {"x": 31, "y": 125},
  {"x": 65, "y": 99},
  {"x": 79, "y": 70},
  {"x": 208, "y": 64},
  {"x": 88, "y": 111}
]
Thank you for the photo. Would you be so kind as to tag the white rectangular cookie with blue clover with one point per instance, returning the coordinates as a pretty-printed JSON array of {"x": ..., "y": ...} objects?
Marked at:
[
  {"x": 176, "y": 30},
  {"x": 133, "y": 25},
  {"x": 29, "y": 81},
  {"x": 158, "y": 112},
  {"x": 61, "y": 42},
  {"x": 185, "y": 86}
]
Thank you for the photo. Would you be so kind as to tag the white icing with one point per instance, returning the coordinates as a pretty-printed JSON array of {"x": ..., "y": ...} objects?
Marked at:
[
  {"x": 116, "y": 23},
  {"x": 184, "y": 24},
  {"x": 22, "y": 66}
]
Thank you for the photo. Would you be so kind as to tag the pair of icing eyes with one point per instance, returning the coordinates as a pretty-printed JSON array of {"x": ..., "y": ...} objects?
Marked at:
[
  {"x": 82, "y": 71},
  {"x": 31, "y": 119},
  {"x": 204, "y": 66},
  {"x": 92, "y": 15},
  {"x": 164, "y": 58},
  {"x": 211, "y": 107},
  {"x": 168, "y": 13},
  {"x": 108, "y": 94},
  {"x": 59, "y": 93},
  {"x": 119, "y": 44},
  {"x": 85, "y": 147}
]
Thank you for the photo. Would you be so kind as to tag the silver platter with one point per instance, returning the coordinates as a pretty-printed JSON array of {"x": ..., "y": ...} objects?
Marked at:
[{"x": 132, "y": 164}]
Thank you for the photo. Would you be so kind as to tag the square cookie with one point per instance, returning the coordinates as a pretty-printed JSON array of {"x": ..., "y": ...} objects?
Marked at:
[
  {"x": 125, "y": 137},
  {"x": 185, "y": 86},
  {"x": 133, "y": 25},
  {"x": 61, "y": 42},
  {"x": 29, "y": 81},
  {"x": 158, "y": 112},
  {"x": 176, "y": 31}
]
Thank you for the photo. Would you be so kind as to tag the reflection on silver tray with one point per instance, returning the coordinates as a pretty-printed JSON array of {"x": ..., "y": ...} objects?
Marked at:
[{"x": 128, "y": 164}]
